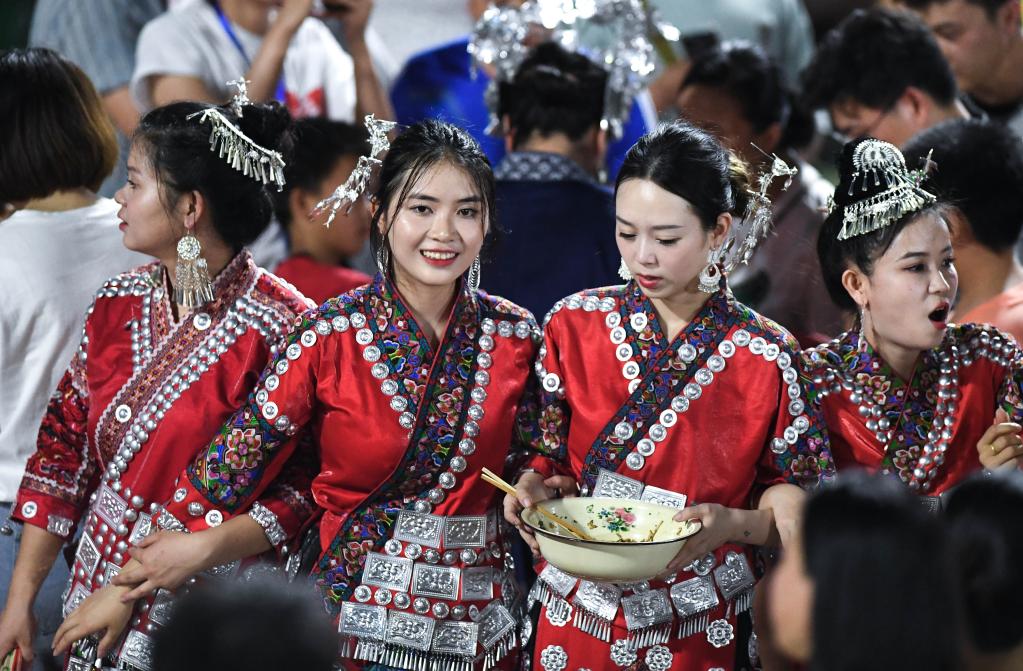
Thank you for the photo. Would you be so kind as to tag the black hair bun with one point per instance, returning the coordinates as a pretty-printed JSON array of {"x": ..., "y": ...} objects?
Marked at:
[{"x": 268, "y": 124}]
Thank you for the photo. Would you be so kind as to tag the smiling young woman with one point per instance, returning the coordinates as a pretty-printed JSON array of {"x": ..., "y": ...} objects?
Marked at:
[
  {"x": 409, "y": 385},
  {"x": 907, "y": 393},
  {"x": 667, "y": 388}
]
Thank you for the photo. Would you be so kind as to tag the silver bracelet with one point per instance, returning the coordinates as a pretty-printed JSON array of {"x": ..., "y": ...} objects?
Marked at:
[{"x": 268, "y": 520}]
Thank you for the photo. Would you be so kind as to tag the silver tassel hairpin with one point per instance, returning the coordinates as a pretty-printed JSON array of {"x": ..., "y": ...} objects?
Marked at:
[
  {"x": 755, "y": 225},
  {"x": 346, "y": 194},
  {"x": 239, "y": 150}
]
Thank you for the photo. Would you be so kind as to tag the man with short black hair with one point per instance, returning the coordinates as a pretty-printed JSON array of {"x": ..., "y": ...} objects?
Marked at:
[
  {"x": 558, "y": 221},
  {"x": 984, "y": 45},
  {"x": 880, "y": 74}
]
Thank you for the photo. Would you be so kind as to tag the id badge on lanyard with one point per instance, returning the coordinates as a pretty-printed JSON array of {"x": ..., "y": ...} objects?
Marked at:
[{"x": 225, "y": 23}]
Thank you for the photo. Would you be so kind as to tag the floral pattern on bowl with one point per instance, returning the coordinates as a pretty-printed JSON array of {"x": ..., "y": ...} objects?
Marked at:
[
  {"x": 614, "y": 519},
  {"x": 631, "y": 540}
]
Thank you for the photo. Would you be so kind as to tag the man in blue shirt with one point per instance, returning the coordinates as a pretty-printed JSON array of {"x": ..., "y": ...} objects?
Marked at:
[
  {"x": 440, "y": 84},
  {"x": 557, "y": 222}
]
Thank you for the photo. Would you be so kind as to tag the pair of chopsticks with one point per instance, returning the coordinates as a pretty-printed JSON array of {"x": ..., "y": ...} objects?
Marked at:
[{"x": 492, "y": 478}]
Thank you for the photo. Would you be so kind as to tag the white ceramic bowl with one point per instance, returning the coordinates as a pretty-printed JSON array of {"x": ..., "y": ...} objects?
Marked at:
[{"x": 632, "y": 540}]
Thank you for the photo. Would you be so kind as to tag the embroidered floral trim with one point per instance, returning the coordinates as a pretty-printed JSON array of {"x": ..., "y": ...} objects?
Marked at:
[
  {"x": 663, "y": 374},
  {"x": 445, "y": 423},
  {"x": 904, "y": 417}
]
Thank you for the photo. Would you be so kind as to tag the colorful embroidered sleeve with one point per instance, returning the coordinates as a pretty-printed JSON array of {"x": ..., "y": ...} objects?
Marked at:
[
  {"x": 798, "y": 452},
  {"x": 287, "y": 508},
  {"x": 62, "y": 473},
  {"x": 1010, "y": 392},
  {"x": 547, "y": 444},
  {"x": 247, "y": 455}
]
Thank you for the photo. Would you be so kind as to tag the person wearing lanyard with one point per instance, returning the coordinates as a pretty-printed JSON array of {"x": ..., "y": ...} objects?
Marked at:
[
  {"x": 177, "y": 62},
  {"x": 225, "y": 23}
]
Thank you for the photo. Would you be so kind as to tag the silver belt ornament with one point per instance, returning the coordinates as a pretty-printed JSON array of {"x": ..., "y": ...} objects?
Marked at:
[
  {"x": 649, "y": 614},
  {"x": 393, "y": 620}
]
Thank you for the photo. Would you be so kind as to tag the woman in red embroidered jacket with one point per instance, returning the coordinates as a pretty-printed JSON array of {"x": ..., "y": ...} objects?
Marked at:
[
  {"x": 410, "y": 385},
  {"x": 164, "y": 359},
  {"x": 667, "y": 389},
  {"x": 906, "y": 392}
]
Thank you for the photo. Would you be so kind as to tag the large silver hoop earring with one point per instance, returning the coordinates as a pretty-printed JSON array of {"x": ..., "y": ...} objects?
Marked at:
[{"x": 710, "y": 276}]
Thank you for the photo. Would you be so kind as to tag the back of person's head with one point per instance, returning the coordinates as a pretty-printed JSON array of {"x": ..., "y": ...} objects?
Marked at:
[
  {"x": 754, "y": 81},
  {"x": 178, "y": 150},
  {"x": 979, "y": 169},
  {"x": 884, "y": 597},
  {"x": 263, "y": 625},
  {"x": 54, "y": 131},
  {"x": 984, "y": 516},
  {"x": 692, "y": 164},
  {"x": 872, "y": 57},
  {"x": 419, "y": 148},
  {"x": 554, "y": 91},
  {"x": 317, "y": 146}
]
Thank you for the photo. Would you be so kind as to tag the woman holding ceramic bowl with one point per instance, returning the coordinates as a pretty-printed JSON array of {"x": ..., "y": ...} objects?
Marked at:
[{"x": 667, "y": 389}]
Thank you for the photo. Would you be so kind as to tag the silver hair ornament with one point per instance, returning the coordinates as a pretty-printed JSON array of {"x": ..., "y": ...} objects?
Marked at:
[
  {"x": 882, "y": 162},
  {"x": 241, "y": 96},
  {"x": 239, "y": 150},
  {"x": 624, "y": 37},
  {"x": 755, "y": 224},
  {"x": 346, "y": 194}
]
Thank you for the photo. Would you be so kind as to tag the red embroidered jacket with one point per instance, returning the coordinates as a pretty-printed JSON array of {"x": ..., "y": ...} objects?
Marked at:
[
  {"x": 412, "y": 561},
  {"x": 714, "y": 415},
  {"x": 141, "y": 396},
  {"x": 924, "y": 430}
]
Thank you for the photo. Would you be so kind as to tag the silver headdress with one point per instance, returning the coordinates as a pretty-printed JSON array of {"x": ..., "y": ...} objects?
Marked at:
[
  {"x": 346, "y": 194},
  {"x": 622, "y": 36},
  {"x": 879, "y": 189},
  {"x": 755, "y": 224},
  {"x": 239, "y": 150}
]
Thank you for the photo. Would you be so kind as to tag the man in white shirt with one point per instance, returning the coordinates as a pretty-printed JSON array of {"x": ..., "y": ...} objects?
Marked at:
[{"x": 193, "y": 50}]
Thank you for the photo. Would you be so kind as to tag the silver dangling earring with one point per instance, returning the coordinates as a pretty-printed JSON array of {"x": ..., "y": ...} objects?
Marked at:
[
  {"x": 862, "y": 345},
  {"x": 382, "y": 257},
  {"x": 710, "y": 276},
  {"x": 192, "y": 285},
  {"x": 473, "y": 280},
  {"x": 624, "y": 272}
]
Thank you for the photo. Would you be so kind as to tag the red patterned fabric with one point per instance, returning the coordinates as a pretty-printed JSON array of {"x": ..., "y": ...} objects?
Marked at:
[
  {"x": 605, "y": 364},
  {"x": 398, "y": 421},
  {"x": 847, "y": 373},
  {"x": 140, "y": 397}
]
